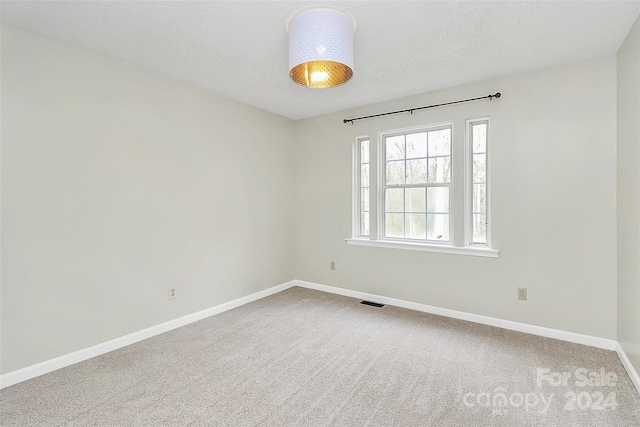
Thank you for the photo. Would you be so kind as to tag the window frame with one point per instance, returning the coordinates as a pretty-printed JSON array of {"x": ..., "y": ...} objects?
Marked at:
[
  {"x": 382, "y": 185},
  {"x": 468, "y": 220},
  {"x": 460, "y": 193},
  {"x": 357, "y": 187}
]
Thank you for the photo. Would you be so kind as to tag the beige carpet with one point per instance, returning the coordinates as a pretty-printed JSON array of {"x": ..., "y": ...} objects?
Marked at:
[{"x": 307, "y": 358}]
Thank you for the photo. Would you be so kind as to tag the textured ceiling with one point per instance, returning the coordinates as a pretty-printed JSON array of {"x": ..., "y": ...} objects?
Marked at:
[{"x": 239, "y": 48}]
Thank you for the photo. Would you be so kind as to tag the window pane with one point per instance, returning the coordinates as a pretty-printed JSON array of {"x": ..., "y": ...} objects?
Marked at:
[
  {"x": 417, "y": 171},
  {"x": 415, "y": 226},
  {"x": 439, "y": 170},
  {"x": 364, "y": 176},
  {"x": 416, "y": 145},
  {"x": 415, "y": 200},
  {"x": 364, "y": 224},
  {"x": 394, "y": 200},
  {"x": 395, "y": 147},
  {"x": 479, "y": 138},
  {"x": 395, "y": 172},
  {"x": 440, "y": 143},
  {"x": 479, "y": 168},
  {"x": 394, "y": 225},
  {"x": 364, "y": 151},
  {"x": 364, "y": 199},
  {"x": 438, "y": 227},
  {"x": 438, "y": 199},
  {"x": 479, "y": 228},
  {"x": 479, "y": 198}
]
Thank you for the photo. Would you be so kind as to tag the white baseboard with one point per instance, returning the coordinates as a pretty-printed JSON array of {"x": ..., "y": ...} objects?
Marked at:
[
  {"x": 485, "y": 320},
  {"x": 51, "y": 365},
  {"x": 42, "y": 368},
  {"x": 633, "y": 374}
]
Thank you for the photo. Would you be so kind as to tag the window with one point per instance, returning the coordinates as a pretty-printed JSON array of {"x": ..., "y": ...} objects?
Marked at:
[
  {"x": 477, "y": 140},
  {"x": 404, "y": 197},
  {"x": 416, "y": 187},
  {"x": 362, "y": 186}
]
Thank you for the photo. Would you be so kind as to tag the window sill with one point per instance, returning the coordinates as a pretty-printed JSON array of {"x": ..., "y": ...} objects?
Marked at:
[{"x": 426, "y": 247}]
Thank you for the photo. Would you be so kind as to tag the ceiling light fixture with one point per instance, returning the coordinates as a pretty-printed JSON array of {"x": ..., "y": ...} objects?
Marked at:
[{"x": 321, "y": 46}]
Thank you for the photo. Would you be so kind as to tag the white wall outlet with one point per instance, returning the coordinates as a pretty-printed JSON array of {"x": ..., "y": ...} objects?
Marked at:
[
  {"x": 332, "y": 264},
  {"x": 522, "y": 294},
  {"x": 172, "y": 293}
]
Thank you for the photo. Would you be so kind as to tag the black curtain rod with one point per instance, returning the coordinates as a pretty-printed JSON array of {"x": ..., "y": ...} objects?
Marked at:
[{"x": 411, "y": 110}]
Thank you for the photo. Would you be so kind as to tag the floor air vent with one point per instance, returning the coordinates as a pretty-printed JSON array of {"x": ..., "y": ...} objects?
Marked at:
[{"x": 372, "y": 304}]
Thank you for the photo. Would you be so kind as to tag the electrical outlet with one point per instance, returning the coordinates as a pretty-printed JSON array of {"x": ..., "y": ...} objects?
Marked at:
[
  {"x": 333, "y": 265},
  {"x": 172, "y": 293},
  {"x": 522, "y": 294}
]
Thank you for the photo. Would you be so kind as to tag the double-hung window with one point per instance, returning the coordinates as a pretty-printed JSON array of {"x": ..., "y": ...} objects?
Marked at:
[
  {"x": 420, "y": 187},
  {"x": 416, "y": 185}
]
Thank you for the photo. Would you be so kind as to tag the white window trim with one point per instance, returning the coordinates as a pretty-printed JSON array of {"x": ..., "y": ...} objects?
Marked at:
[
  {"x": 382, "y": 184},
  {"x": 447, "y": 248},
  {"x": 356, "y": 185},
  {"x": 376, "y": 226},
  {"x": 468, "y": 188}
]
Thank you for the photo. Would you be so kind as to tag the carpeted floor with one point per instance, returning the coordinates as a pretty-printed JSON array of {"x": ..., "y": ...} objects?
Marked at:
[{"x": 308, "y": 358}]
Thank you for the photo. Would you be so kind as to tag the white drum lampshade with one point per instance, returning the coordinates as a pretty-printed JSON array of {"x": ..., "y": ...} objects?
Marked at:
[{"x": 321, "y": 46}]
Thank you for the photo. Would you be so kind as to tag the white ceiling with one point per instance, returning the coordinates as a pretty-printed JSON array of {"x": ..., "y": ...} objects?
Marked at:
[{"x": 239, "y": 48}]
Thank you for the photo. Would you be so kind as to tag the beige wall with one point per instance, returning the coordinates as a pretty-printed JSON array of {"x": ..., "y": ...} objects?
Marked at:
[
  {"x": 554, "y": 202},
  {"x": 629, "y": 195},
  {"x": 118, "y": 184}
]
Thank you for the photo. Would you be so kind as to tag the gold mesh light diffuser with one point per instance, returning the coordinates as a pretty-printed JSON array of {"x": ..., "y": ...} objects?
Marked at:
[{"x": 321, "y": 46}]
